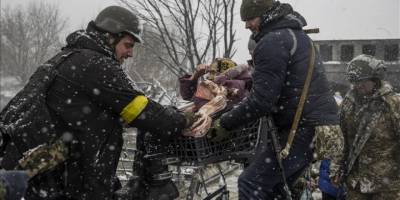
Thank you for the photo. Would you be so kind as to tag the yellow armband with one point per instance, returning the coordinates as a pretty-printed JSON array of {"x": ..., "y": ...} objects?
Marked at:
[{"x": 134, "y": 108}]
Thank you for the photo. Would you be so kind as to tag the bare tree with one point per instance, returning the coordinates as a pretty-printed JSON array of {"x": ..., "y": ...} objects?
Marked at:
[
  {"x": 29, "y": 35},
  {"x": 191, "y": 32},
  {"x": 147, "y": 68}
]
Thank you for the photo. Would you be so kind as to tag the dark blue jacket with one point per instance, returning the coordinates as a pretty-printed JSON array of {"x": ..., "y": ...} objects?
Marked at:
[{"x": 281, "y": 60}]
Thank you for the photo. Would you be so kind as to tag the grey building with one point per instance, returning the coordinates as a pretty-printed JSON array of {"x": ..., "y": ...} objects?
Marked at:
[{"x": 336, "y": 53}]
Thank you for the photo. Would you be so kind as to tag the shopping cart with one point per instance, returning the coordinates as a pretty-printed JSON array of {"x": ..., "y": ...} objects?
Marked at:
[{"x": 241, "y": 145}]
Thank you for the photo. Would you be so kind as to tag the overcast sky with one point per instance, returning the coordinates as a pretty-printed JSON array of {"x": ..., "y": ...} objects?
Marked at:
[{"x": 337, "y": 19}]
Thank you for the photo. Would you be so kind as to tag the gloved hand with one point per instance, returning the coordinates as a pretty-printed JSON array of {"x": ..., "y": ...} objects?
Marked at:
[
  {"x": 191, "y": 117},
  {"x": 217, "y": 133}
]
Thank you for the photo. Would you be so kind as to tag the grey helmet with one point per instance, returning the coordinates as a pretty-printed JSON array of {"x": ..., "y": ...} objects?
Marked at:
[
  {"x": 116, "y": 19},
  {"x": 365, "y": 67}
]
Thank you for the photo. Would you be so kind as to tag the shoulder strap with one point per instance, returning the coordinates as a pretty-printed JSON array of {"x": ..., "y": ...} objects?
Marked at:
[
  {"x": 60, "y": 57},
  {"x": 294, "y": 47},
  {"x": 299, "y": 110},
  {"x": 364, "y": 132}
]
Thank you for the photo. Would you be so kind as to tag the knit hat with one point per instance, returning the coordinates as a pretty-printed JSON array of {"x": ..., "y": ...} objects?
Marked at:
[
  {"x": 220, "y": 65},
  {"x": 254, "y": 8}
]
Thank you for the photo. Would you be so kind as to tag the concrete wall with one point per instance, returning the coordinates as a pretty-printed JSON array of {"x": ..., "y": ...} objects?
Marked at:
[
  {"x": 336, "y": 68},
  {"x": 336, "y": 74},
  {"x": 358, "y": 45}
]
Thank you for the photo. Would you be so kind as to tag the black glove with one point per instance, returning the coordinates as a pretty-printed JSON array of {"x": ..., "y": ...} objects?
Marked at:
[{"x": 217, "y": 133}]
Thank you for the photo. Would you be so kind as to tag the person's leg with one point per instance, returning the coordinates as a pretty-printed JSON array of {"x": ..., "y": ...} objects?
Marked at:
[
  {"x": 298, "y": 183},
  {"x": 263, "y": 179},
  {"x": 155, "y": 161},
  {"x": 151, "y": 179},
  {"x": 259, "y": 178},
  {"x": 299, "y": 160}
]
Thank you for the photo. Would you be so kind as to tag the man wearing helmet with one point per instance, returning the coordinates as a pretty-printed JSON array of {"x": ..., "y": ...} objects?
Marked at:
[
  {"x": 123, "y": 27},
  {"x": 370, "y": 121},
  {"x": 91, "y": 99}
]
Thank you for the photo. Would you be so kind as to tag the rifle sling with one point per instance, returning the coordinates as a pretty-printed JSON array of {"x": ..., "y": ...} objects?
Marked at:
[{"x": 292, "y": 133}]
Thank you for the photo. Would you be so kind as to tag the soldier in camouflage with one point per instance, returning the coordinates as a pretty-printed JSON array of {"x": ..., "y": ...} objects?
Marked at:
[{"x": 370, "y": 121}]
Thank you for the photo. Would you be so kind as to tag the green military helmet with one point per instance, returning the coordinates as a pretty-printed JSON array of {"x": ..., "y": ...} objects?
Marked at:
[
  {"x": 254, "y": 8},
  {"x": 116, "y": 19},
  {"x": 365, "y": 67}
]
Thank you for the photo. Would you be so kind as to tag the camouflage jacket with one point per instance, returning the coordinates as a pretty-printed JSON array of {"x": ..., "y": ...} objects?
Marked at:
[
  {"x": 329, "y": 144},
  {"x": 371, "y": 128}
]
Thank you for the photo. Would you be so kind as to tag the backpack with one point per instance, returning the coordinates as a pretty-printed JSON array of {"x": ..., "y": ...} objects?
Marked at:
[{"x": 26, "y": 120}]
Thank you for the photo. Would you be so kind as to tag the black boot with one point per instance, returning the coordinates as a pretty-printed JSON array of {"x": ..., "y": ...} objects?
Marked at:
[
  {"x": 135, "y": 188},
  {"x": 158, "y": 178},
  {"x": 151, "y": 179}
]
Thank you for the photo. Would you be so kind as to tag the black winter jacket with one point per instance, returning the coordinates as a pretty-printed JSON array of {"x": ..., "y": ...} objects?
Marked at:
[
  {"x": 281, "y": 60},
  {"x": 93, "y": 97}
]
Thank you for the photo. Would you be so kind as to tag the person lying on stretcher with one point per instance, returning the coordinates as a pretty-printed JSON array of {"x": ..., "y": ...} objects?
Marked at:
[{"x": 213, "y": 88}]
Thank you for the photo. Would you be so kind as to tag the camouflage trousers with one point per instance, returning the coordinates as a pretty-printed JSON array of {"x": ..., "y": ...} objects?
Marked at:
[{"x": 354, "y": 194}]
